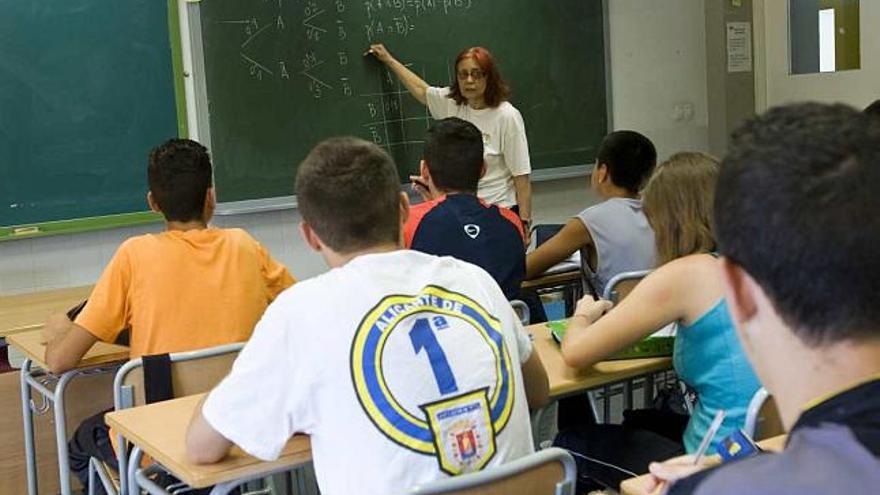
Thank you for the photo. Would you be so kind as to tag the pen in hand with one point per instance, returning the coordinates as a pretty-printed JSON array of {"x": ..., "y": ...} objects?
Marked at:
[{"x": 710, "y": 434}]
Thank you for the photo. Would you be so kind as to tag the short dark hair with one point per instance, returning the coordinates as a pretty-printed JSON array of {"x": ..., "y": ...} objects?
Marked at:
[
  {"x": 179, "y": 176},
  {"x": 796, "y": 207},
  {"x": 348, "y": 191},
  {"x": 630, "y": 158},
  {"x": 873, "y": 109},
  {"x": 454, "y": 153}
]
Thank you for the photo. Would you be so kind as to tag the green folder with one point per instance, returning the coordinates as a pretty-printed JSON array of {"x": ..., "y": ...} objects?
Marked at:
[{"x": 649, "y": 347}]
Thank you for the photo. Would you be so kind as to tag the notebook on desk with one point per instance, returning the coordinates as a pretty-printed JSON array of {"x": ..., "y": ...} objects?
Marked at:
[{"x": 660, "y": 344}]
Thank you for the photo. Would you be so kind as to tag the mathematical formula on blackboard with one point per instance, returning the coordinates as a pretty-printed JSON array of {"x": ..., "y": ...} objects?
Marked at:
[{"x": 324, "y": 42}]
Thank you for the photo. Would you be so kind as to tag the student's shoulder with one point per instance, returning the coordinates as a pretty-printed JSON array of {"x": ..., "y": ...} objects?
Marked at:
[
  {"x": 141, "y": 242},
  {"x": 695, "y": 265},
  {"x": 426, "y": 206},
  {"x": 614, "y": 204},
  {"x": 309, "y": 293},
  {"x": 610, "y": 210},
  {"x": 593, "y": 211},
  {"x": 239, "y": 239},
  {"x": 426, "y": 209},
  {"x": 234, "y": 233}
]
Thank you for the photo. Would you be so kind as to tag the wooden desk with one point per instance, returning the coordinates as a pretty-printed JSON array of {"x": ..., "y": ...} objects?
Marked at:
[
  {"x": 31, "y": 344},
  {"x": 160, "y": 430},
  {"x": 553, "y": 280},
  {"x": 565, "y": 380},
  {"x": 29, "y": 311},
  {"x": 638, "y": 485},
  {"x": 100, "y": 359},
  {"x": 92, "y": 396}
]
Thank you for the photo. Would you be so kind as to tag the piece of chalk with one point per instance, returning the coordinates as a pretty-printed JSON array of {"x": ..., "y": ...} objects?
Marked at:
[{"x": 25, "y": 230}]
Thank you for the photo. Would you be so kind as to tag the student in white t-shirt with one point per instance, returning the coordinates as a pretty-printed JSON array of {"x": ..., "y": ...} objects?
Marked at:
[
  {"x": 480, "y": 96},
  {"x": 402, "y": 367}
]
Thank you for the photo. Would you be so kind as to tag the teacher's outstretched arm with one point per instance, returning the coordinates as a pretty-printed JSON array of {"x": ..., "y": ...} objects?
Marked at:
[{"x": 413, "y": 83}]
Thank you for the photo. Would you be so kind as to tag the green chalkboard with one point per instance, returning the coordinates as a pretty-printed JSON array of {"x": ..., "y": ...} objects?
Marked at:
[
  {"x": 281, "y": 75},
  {"x": 86, "y": 89}
]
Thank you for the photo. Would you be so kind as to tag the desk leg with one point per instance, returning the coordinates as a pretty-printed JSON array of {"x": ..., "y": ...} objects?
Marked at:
[
  {"x": 606, "y": 404},
  {"x": 628, "y": 394},
  {"x": 134, "y": 462},
  {"x": 649, "y": 390},
  {"x": 27, "y": 416},
  {"x": 122, "y": 447},
  {"x": 61, "y": 432}
]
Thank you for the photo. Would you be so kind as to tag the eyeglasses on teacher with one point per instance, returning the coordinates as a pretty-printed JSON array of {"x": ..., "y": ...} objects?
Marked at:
[{"x": 476, "y": 74}]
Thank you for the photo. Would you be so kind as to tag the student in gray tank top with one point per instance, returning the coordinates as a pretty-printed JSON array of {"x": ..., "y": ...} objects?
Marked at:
[{"x": 614, "y": 235}]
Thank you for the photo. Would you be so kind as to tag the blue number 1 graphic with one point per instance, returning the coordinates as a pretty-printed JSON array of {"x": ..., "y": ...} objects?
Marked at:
[{"x": 423, "y": 337}]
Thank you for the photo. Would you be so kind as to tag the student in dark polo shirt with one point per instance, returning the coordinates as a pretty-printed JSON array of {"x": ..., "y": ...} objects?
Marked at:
[
  {"x": 797, "y": 228},
  {"x": 453, "y": 221}
]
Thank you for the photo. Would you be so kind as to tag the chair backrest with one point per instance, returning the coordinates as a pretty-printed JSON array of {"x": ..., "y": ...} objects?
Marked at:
[
  {"x": 546, "y": 472},
  {"x": 192, "y": 372},
  {"x": 522, "y": 311},
  {"x": 622, "y": 284},
  {"x": 762, "y": 417}
]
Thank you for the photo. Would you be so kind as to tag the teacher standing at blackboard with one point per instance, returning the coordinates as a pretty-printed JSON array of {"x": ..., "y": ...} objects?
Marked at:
[{"x": 479, "y": 95}]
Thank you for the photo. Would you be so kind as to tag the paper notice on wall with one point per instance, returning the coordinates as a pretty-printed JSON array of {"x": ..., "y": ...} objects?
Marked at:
[{"x": 739, "y": 47}]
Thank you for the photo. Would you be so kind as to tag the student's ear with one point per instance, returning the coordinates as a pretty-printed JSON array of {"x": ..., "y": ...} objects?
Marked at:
[
  {"x": 601, "y": 172},
  {"x": 210, "y": 203},
  {"x": 310, "y": 237},
  {"x": 483, "y": 169},
  {"x": 597, "y": 176},
  {"x": 404, "y": 210},
  {"x": 154, "y": 206},
  {"x": 740, "y": 290},
  {"x": 425, "y": 172}
]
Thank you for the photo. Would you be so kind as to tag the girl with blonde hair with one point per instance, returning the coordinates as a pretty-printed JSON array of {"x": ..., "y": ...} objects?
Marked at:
[{"x": 684, "y": 289}]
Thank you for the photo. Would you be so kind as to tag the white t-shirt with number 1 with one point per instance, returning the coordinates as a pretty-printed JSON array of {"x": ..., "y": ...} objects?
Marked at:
[
  {"x": 402, "y": 366},
  {"x": 505, "y": 147}
]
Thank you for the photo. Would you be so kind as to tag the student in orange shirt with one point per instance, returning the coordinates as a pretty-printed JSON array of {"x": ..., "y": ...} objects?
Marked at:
[{"x": 189, "y": 287}]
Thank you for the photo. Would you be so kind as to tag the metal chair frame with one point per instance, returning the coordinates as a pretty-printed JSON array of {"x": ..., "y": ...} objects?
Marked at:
[
  {"x": 610, "y": 291},
  {"x": 124, "y": 398},
  {"x": 565, "y": 486}
]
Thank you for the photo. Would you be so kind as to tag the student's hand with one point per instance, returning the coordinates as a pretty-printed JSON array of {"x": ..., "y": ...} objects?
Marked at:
[
  {"x": 420, "y": 186},
  {"x": 381, "y": 53},
  {"x": 57, "y": 325},
  {"x": 663, "y": 474},
  {"x": 590, "y": 309},
  {"x": 527, "y": 232}
]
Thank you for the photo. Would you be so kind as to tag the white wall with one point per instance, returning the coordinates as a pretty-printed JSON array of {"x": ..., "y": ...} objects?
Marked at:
[
  {"x": 657, "y": 61},
  {"x": 776, "y": 86},
  {"x": 70, "y": 260}
]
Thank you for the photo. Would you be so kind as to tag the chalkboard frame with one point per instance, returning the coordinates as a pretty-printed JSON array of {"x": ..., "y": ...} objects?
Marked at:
[
  {"x": 200, "y": 124},
  {"x": 103, "y": 222}
]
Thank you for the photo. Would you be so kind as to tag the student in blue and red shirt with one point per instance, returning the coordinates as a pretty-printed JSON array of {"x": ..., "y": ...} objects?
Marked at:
[{"x": 453, "y": 221}]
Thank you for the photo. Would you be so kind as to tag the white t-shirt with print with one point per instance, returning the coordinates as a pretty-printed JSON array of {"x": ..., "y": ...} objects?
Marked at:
[
  {"x": 506, "y": 148},
  {"x": 401, "y": 366}
]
